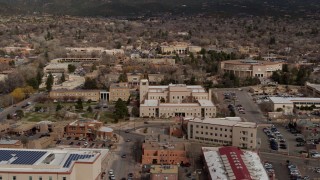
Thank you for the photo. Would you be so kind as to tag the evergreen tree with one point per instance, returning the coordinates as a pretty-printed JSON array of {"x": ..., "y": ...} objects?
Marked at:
[
  {"x": 121, "y": 109},
  {"x": 63, "y": 78},
  {"x": 79, "y": 104},
  {"x": 49, "y": 82},
  {"x": 59, "y": 107}
]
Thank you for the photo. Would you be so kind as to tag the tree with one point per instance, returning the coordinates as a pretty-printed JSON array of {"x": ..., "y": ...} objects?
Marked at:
[
  {"x": 49, "y": 82},
  {"x": 123, "y": 77},
  {"x": 63, "y": 78},
  {"x": 33, "y": 82},
  {"x": 90, "y": 110},
  {"x": 19, "y": 113},
  {"x": 90, "y": 84},
  {"x": 18, "y": 94},
  {"x": 24, "y": 140},
  {"x": 71, "y": 68},
  {"x": 121, "y": 109},
  {"x": 135, "y": 111},
  {"x": 39, "y": 77},
  {"x": 59, "y": 107},
  {"x": 79, "y": 104}
]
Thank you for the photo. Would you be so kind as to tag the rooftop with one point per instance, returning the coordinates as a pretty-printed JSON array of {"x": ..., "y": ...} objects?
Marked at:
[
  {"x": 7, "y": 141},
  {"x": 233, "y": 163},
  {"x": 164, "y": 169},
  {"x": 290, "y": 100},
  {"x": 227, "y": 121},
  {"x": 250, "y": 62},
  {"x": 151, "y": 145},
  {"x": 315, "y": 86},
  {"x": 105, "y": 129},
  {"x": 39, "y": 160}
]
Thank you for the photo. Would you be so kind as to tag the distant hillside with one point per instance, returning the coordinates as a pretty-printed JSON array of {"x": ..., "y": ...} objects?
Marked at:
[{"x": 158, "y": 7}]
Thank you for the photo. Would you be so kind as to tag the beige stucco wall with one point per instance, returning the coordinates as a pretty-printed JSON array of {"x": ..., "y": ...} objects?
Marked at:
[{"x": 222, "y": 135}]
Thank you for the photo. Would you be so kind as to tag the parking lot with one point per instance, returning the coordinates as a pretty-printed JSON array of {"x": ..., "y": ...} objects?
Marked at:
[
  {"x": 240, "y": 98},
  {"x": 287, "y": 138},
  {"x": 83, "y": 143}
]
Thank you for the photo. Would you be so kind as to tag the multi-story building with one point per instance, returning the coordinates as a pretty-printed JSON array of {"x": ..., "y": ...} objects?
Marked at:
[
  {"x": 250, "y": 68},
  {"x": 179, "y": 48},
  {"x": 157, "y": 61},
  {"x": 66, "y": 164},
  {"x": 82, "y": 128},
  {"x": 119, "y": 91},
  {"x": 287, "y": 104},
  {"x": 64, "y": 95},
  {"x": 134, "y": 79},
  {"x": 56, "y": 68},
  {"x": 155, "y": 79},
  {"x": 313, "y": 89},
  {"x": 175, "y": 100},
  {"x": 230, "y": 131},
  {"x": 233, "y": 163},
  {"x": 167, "y": 172},
  {"x": 164, "y": 153},
  {"x": 75, "y": 60}
]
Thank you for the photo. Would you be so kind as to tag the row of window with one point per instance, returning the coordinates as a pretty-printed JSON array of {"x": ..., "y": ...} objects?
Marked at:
[
  {"x": 31, "y": 178},
  {"x": 214, "y": 140},
  {"x": 216, "y": 128},
  {"x": 215, "y": 134}
]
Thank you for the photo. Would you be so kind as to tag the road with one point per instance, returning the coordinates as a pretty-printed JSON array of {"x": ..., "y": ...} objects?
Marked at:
[{"x": 12, "y": 109}]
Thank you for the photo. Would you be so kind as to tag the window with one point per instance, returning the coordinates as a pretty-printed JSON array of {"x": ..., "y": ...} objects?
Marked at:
[
  {"x": 50, "y": 177},
  {"x": 14, "y": 178},
  {"x": 64, "y": 178},
  {"x": 225, "y": 129},
  {"x": 220, "y": 129},
  {"x": 30, "y": 177},
  {"x": 40, "y": 177},
  {"x": 0, "y": 177}
]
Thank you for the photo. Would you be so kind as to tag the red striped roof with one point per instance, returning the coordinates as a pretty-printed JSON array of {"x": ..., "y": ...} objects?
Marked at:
[{"x": 237, "y": 165}]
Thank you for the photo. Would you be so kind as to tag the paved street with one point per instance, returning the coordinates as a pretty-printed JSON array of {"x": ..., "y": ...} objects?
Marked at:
[{"x": 12, "y": 109}]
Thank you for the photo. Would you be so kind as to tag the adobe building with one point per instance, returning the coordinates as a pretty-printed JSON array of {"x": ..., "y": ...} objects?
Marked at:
[
  {"x": 161, "y": 172},
  {"x": 8, "y": 143},
  {"x": 164, "y": 153},
  {"x": 86, "y": 128},
  {"x": 63, "y": 94},
  {"x": 119, "y": 91},
  {"x": 175, "y": 100},
  {"x": 250, "y": 68}
]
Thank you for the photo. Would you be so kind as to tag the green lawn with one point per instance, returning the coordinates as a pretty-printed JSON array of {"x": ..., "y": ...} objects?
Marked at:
[{"x": 37, "y": 117}]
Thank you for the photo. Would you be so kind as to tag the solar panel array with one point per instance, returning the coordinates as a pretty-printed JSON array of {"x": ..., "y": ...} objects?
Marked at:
[
  {"x": 23, "y": 157},
  {"x": 75, "y": 157}
]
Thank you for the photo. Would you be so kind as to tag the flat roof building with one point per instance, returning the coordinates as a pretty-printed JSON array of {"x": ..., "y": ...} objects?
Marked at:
[
  {"x": 287, "y": 104},
  {"x": 160, "y": 172},
  {"x": 8, "y": 143},
  {"x": 313, "y": 89},
  {"x": 229, "y": 163},
  {"x": 250, "y": 68},
  {"x": 66, "y": 164},
  {"x": 164, "y": 153},
  {"x": 119, "y": 91},
  {"x": 65, "y": 95},
  {"x": 175, "y": 100},
  {"x": 231, "y": 131}
]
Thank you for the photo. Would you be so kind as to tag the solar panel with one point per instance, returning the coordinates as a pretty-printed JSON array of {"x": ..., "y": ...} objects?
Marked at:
[
  {"x": 22, "y": 157},
  {"x": 75, "y": 157}
]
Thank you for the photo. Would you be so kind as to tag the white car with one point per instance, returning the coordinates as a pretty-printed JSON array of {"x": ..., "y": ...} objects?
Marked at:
[
  {"x": 316, "y": 155},
  {"x": 110, "y": 172}
]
